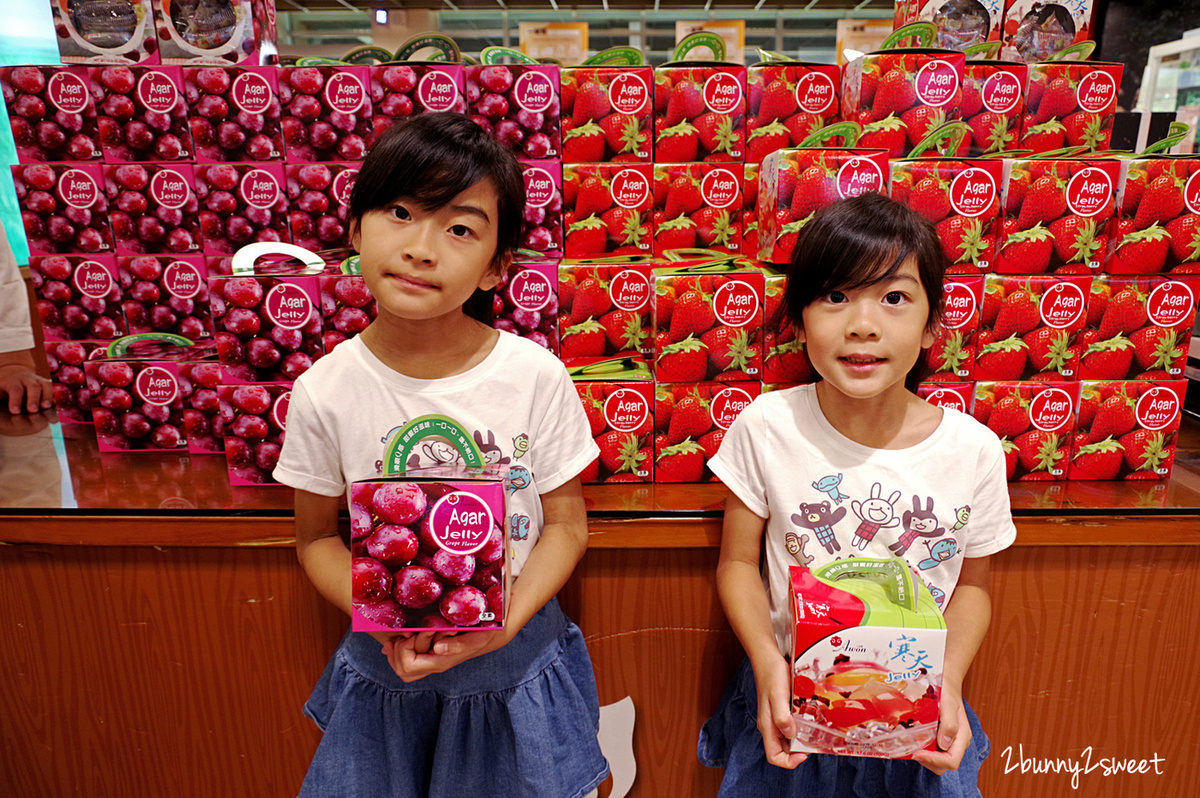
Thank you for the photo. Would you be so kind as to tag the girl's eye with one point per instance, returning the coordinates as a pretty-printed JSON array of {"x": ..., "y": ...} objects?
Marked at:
[
  {"x": 894, "y": 297},
  {"x": 836, "y": 297},
  {"x": 400, "y": 212},
  {"x": 460, "y": 230}
]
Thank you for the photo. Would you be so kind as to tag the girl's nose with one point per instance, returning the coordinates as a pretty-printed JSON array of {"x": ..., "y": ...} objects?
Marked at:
[
  {"x": 863, "y": 321},
  {"x": 419, "y": 246}
]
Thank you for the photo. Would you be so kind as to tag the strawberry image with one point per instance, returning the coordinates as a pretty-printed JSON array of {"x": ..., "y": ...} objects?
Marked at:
[
  {"x": 710, "y": 443},
  {"x": 1025, "y": 251},
  {"x": 1146, "y": 451},
  {"x": 888, "y": 133},
  {"x": 990, "y": 132},
  {"x": 800, "y": 126},
  {"x": 590, "y": 299},
  {"x": 766, "y": 139},
  {"x": 895, "y": 94},
  {"x": 1161, "y": 201},
  {"x": 1057, "y": 101},
  {"x": 1114, "y": 417},
  {"x": 730, "y": 348},
  {"x": 1018, "y": 186},
  {"x": 1089, "y": 403},
  {"x": 1185, "y": 237},
  {"x": 985, "y": 401},
  {"x": 664, "y": 304},
  {"x": 1098, "y": 301},
  {"x": 624, "y": 226},
  {"x": 1044, "y": 202},
  {"x": 1125, "y": 312},
  {"x": 624, "y": 329},
  {"x": 1141, "y": 252},
  {"x": 921, "y": 120},
  {"x": 685, "y": 102},
  {"x": 1050, "y": 350},
  {"x": 677, "y": 144},
  {"x": 1135, "y": 185},
  {"x": 715, "y": 228},
  {"x": 693, "y": 315},
  {"x": 948, "y": 353},
  {"x": 678, "y": 233},
  {"x": 593, "y": 408},
  {"x": 787, "y": 362},
  {"x": 1004, "y": 359},
  {"x": 664, "y": 407},
  {"x": 1018, "y": 314},
  {"x": 1009, "y": 417},
  {"x": 584, "y": 144},
  {"x": 1155, "y": 348},
  {"x": 1100, "y": 460},
  {"x": 1085, "y": 129},
  {"x": 682, "y": 462},
  {"x": 964, "y": 242},
  {"x": 1076, "y": 240},
  {"x": 930, "y": 198},
  {"x": 591, "y": 103},
  {"x": 586, "y": 237},
  {"x": 585, "y": 339},
  {"x": 690, "y": 418},
  {"x": 972, "y": 97},
  {"x": 593, "y": 197},
  {"x": 683, "y": 196},
  {"x": 778, "y": 101},
  {"x": 1039, "y": 451},
  {"x": 684, "y": 361},
  {"x": 624, "y": 135},
  {"x": 1109, "y": 359},
  {"x": 620, "y": 452},
  {"x": 718, "y": 137}
]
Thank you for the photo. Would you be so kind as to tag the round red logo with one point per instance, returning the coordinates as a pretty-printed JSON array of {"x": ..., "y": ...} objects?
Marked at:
[
  {"x": 260, "y": 189},
  {"x": 815, "y": 92},
  {"x": 344, "y": 92},
  {"x": 77, "y": 188},
  {"x": 629, "y": 290},
  {"x": 437, "y": 91},
  {"x": 1096, "y": 91},
  {"x": 182, "y": 279},
  {"x": 67, "y": 92},
  {"x": 722, "y": 93},
  {"x": 1050, "y": 409},
  {"x": 859, "y": 176},
  {"x": 728, "y": 405},
  {"x": 1191, "y": 192},
  {"x": 530, "y": 290},
  {"x": 626, "y": 410},
  {"x": 157, "y": 92},
  {"x": 1157, "y": 408},
  {"x": 1001, "y": 92},
  {"x": 628, "y": 93},
  {"x": 1170, "y": 303},
  {"x": 251, "y": 93},
  {"x": 156, "y": 386},
  {"x": 937, "y": 83},
  {"x": 288, "y": 306},
  {"x": 735, "y": 303},
  {"x": 958, "y": 305},
  {"x": 461, "y": 522},
  {"x": 1089, "y": 191},
  {"x": 972, "y": 191},
  {"x": 93, "y": 280},
  {"x": 629, "y": 188},
  {"x": 944, "y": 397},
  {"x": 533, "y": 91},
  {"x": 719, "y": 188},
  {"x": 343, "y": 182},
  {"x": 1062, "y": 305},
  {"x": 539, "y": 187},
  {"x": 279, "y": 410},
  {"x": 169, "y": 188}
]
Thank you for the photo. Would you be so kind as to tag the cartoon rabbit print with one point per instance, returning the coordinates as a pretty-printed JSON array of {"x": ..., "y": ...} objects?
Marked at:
[
  {"x": 917, "y": 523},
  {"x": 874, "y": 514}
]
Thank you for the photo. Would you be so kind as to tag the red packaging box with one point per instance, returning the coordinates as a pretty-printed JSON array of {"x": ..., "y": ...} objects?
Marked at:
[
  {"x": 618, "y": 398},
  {"x": 105, "y": 35},
  {"x": 63, "y": 208},
  {"x": 1035, "y": 31},
  {"x": 952, "y": 395},
  {"x": 789, "y": 101},
  {"x": 1035, "y": 422},
  {"x": 200, "y": 382},
  {"x": 749, "y": 210},
  {"x": 993, "y": 104},
  {"x": 699, "y": 112},
  {"x": 326, "y": 112},
  {"x": 697, "y": 205},
  {"x": 956, "y": 29},
  {"x": 142, "y": 113},
  {"x": 51, "y": 113},
  {"x": 347, "y": 306},
  {"x": 794, "y": 184},
  {"x": 319, "y": 202},
  {"x": 526, "y": 301},
  {"x": 607, "y": 209},
  {"x": 74, "y": 397},
  {"x": 253, "y": 419},
  {"x": 1070, "y": 104},
  {"x": 920, "y": 89},
  {"x": 186, "y": 36},
  {"x": 165, "y": 294},
  {"x": 952, "y": 356},
  {"x": 785, "y": 360},
  {"x": 399, "y": 91},
  {"x": 241, "y": 203},
  {"x": 606, "y": 114},
  {"x": 78, "y": 296},
  {"x": 604, "y": 309},
  {"x": 961, "y": 198},
  {"x": 1030, "y": 327},
  {"x": 154, "y": 208},
  {"x": 542, "y": 224},
  {"x": 1127, "y": 430},
  {"x": 1056, "y": 215},
  {"x": 690, "y": 420},
  {"x": 708, "y": 326},
  {"x": 234, "y": 113},
  {"x": 1138, "y": 327},
  {"x": 1157, "y": 228},
  {"x": 139, "y": 406},
  {"x": 519, "y": 106}
]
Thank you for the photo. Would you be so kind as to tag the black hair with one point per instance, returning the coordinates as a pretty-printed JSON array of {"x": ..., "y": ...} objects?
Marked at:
[
  {"x": 858, "y": 242},
  {"x": 432, "y": 158}
]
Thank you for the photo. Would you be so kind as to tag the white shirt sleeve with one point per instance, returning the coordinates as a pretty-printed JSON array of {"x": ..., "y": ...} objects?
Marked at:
[
  {"x": 738, "y": 463},
  {"x": 16, "y": 334},
  {"x": 992, "y": 527},
  {"x": 309, "y": 459},
  {"x": 562, "y": 443}
]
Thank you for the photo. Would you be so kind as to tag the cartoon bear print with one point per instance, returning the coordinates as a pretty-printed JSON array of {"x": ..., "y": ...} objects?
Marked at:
[{"x": 820, "y": 520}]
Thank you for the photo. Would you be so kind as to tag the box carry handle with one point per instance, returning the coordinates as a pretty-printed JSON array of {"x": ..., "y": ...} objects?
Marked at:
[
  {"x": 923, "y": 31},
  {"x": 245, "y": 258},
  {"x": 848, "y": 131},
  {"x": 1082, "y": 49}
]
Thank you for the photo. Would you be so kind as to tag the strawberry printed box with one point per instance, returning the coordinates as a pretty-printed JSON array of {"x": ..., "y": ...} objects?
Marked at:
[
  {"x": 78, "y": 297},
  {"x": 948, "y": 395},
  {"x": 961, "y": 198},
  {"x": 518, "y": 104},
  {"x": 399, "y": 91},
  {"x": 690, "y": 421},
  {"x": 1070, "y": 104},
  {"x": 868, "y": 643},
  {"x": 51, "y": 113},
  {"x": 1157, "y": 228},
  {"x": 993, "y": 104},
  {"x": 63, "y": 208},
  {"x": 165, "y": 294},
  {"x": 958, "y": 25},
  {"x": 607, "y": 114},
  {"x": 429, "y": 551},
  {"x": 699, "y": 112},
  {"x": 697, "y": 205},
  {"x": 142, "y": 113},
  {"x": 618, "y": 398},
  {"x": 750, "y": 210},
  {"x": 785, "y": 361},
  {"x": 951, "y": 358},
  {"x": 604, "y": 309},
  {"x": 789, "y": 101},
  {"x": 708, "y": 326},
  {"x": 234, "y": 113},
  {"x": 240, "y": 204},
  {"x": 327, "y": 114},
  {"x": 1138, "y": 327},
  {"x": 526, "y": 301},
  {"x": 252, "y": 420},
  {"x": 1035, "y": 422},
  {"x": 1127, "y": 430},
  {"x": 1031, "y": 328},
  {"x": 607, "y": 209},
  {"x": 155, "y": 208},
  {"x": 542, "y": 220},
  {"x": 1056, "y": 215}
]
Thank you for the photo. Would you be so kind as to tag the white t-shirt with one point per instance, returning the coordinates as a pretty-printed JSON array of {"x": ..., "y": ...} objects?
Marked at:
[
  {"x": 16, "y": 334},
  {"x": 831, "y": 498},
  {"x": 518, "y": 405}
]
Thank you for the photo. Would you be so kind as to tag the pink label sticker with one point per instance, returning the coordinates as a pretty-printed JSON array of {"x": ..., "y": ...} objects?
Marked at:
[
  {"x": 539, "y": 186},
  {"x": 1001, "y": 92},
  {"x": 1096, "y": 91},
  {"x": 937, "y": 83},
  {"x": 169, "y": 189},
  {"x": 722, "y": 93},
  {"x": 629, "y": 188},
  {"x": 157, "y": 92},
  {"x": 720, "y": 188},
  {"x": 288, "y": 306},
  {"x": 859, "y": 176},
  {"x": 182, "y": 279},
  {"x": 78, "y": 189},
  {"x": 1089, "y": 191},
  {"x": 1170, "y": 303},
  {"x": 260, "y": 189},
  {"x": 629, "y": 290},
  {"x": 530, "y": 290},
  {"x": 626, "y": 410},
  {"x": 727, "y": 405},
  {"x": 461, "y": 522},
  {"x": 1191, "y": 192},
  {"x": 343, "y": 184},
  {"x": 533, "y": 91},
  {"x": 944, "y": 397},
  {"x": 815, "y": 92},
  {"x": 279, "y": 410},
  {"x": 156, "y": 386},
  {"x": 1051, "y": 409},
  {"x": 958, "y": 305},
  {"x": 972, "y": 192},
  {"x": 345, "y": 93},
  {"x": 735, "y": 303},
  {"x": 437, "y": 91},
  {"x": 1062, "y": 305},
  {"x": 251, "y": 93},
  {"x": 67, "y": 92},
  {"x": 1157, "y": 408},
  {"x": 93, "y": 280},
  {"x": 628, "y": 93}
]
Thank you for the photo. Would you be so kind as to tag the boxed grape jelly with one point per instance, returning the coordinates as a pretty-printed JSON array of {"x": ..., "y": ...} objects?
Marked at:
[
  {"x": 252, "y": 420},
  {"x": 708, "y": 326},
  {"x": 1035, "y": 31},
  {"x": 1030, "y": 327},
  {"x": 234, "y": 113},
  {"x": 203, "y": 423},
  {"x": 993, "y": 104},
  {"x": 868, "y": 647},
  {"x": 958, "y": 25},
  {"x": 240, "y": 204},
  {"x": 1127, "y": 429},
  {"x": 166, "y": 294},
  {"x": 78, "y": 296},
  {"x": 542, "y": 223},
  {"x": 607, "y": 209},
  {"x": 1138, "y": 327},
  {"x": 789, "y": 101},
  {"x": 142, "y": 113},
  {"x": 1035, "y": 422},
  {"x": 347, "y": 307},
  {"x": 1070, "y": 104},
  {"x": 519, "y": 105},
  {"x": 63, "y": 208},
  {"x": 318, "y": 202},
  {"x": 697, "y": 205},
  {"x": 51, "y": 113},
  {"x": 526, "y": 301},
  {"x": 690, "y": 420},
  {"x": 98, "y": 32},
  {"x": 74, "y": 393},
  {"x": 224, "y": 35},
  {"x": 606, "y": 114},
  {"x": 326, "y": 112},
  {"x": 155, "y": 208},
  {"x": 429, "y": 551},
  {"x": 618, "y": 398},
  {"x": 399, "y": 91},
  {"x": 139, "y": 406},
  {"x": 1157, "y": 225}
]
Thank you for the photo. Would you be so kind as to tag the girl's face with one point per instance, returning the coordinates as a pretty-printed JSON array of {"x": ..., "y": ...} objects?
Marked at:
[
  {"x": 864, "y": 341},
  {"x": 422, "y": 265}
]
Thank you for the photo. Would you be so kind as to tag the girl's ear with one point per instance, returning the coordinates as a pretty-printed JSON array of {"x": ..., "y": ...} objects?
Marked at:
[
  {"x": 930, "y": 334},
  {"x": 355, "y": 237},
  {"x": 496, "y": 271},
  {"x": 799, "y": 330}
]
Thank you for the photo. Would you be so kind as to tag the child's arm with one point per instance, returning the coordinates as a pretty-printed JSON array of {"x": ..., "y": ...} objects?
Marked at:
[
  {"x": 967, "y": 619},
  {"x": 24, "y": 388},
  {"x": 744, "y": 598},
  {"x": 562, "y": 544}
]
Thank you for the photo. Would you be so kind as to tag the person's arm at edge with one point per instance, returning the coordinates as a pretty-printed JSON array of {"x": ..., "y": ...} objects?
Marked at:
[{"x": 20, "y": 383}]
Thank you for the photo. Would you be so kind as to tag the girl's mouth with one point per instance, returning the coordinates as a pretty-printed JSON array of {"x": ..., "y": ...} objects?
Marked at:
[{"x": 861, "y": 363}]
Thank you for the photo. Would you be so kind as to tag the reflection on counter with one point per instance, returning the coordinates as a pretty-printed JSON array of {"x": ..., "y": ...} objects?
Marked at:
[{"x": 31, "y": 471}]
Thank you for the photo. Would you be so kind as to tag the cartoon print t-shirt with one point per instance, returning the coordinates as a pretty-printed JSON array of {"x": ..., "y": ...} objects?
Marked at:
[
  {"x": 826, "y": 497},
  {"x": 518, "y": 408}
]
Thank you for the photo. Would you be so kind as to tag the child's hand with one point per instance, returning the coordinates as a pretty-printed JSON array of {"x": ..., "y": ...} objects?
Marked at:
[
  {"x": 775, "y": 721},
  {"x": 434, "y": 652},
  {"x": 954, "y": 735},
  {"x": 24, "y": 389}
]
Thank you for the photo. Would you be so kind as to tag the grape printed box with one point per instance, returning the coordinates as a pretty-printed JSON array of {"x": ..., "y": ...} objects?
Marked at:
[
  {"x": 139, "y": 406},
  {"x": 327, "y": 113},
  {"x": 604, "y": 309},
  {"x": 252, "y": 420},
  {"x": 1138, "y": 327},
  {"x": 526, "y": 302},
  {"x": 1157, "y": 228},
  {"x": 1127, "y": 429},
  {"x": 51, "y": 113},
  {"x": 1035, "y": 422},
  {"x": 868, "y": 644},
  {"x": 399, "y": 91},
  {"x": 789, "y": 101},
  {"x": 519, "y": 105},
  {"x": 63, "y": 208},
  {"x": 203, "y": 422},
  {"x": 142, "y": 113},
  {"x": 105, "y": 35},
  {"x": 78, "y": 296},
  {"x": 606, "y": 114},
  {"x": 234, "y": 113},
  {"x": 1030, "y": 327},
  {"x": 240, "y": 204},
  {"x": 154, "y": 208},
  {"x": 74, "y": 397},
  {"x": 542, "y": 219},
  {"x": 319, "y": 202},
  {"x": 708, "y": 326},
  {"x": 690, "y": 421},
  {"x": 429, "y": 552},
  {"x": 165, "y": 294},
  {"x": 268, "y": 328}
]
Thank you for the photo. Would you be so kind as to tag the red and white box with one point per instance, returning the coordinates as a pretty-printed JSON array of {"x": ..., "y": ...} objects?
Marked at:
[
  {"x": 604, "y": 309},
  {"x": 105, "y": 33},
  {"x": 993, "y": 104},
  {"x": 518, "y": 105},
  {"x": 750, "y": 210},
  {"x": 1070, "y": 104},
  {"x": 154, "y": 208},
  {"x": 1157, "y": 226},
  {"x": 619, "y": 404},
  {"x": 700, "y": 112},
  {"x": 142, "y": 113},
  {"x": 63, "y": 208},
  {"x": 241, "y": 204},
  {"x": 607, "y": 114},
  {"x": 961, "y": 198},
  {"x": 690, "y": 420},
  {"x": 78, "y": 296},
  {"x": 51, "y": 113},
  {"x": 327, "y": 113},
  {"x": 253, "y": 419},
  {"x": 607, "y": 209},
  {"x": 165, "y": 294},
  {"x": 789, "y": 101},
  {"x": 1127, "y": 430},
  {"x": 1138, "y": 327},
  {"x": 708, "y": 326},
  {"x": 951, "y": 358},
  {"x": 697, "y": 205},
  {"x": 1031, "y": 326},
  {"x": 952, "y": 395},
  {"x": 785, "y": 361},
  {"x": 234, "y": 113},
  {"x": 1035, "y": 422}
]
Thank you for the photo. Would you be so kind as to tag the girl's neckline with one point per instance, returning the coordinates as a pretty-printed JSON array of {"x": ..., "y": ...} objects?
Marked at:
[
  {"x": 813, "y": 406},
  {"x": 501, "y": 346}
]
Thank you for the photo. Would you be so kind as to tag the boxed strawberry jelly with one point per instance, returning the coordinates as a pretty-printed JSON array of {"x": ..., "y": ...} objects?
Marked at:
[
  {"x": 401, "y": 90},
  {"x": 961, "y": 198},
  {"x": 51, "y": 113},
  {"x": 951, "y": 358},
  {"x": 78, "y": 296},
  {"x": 1070, "y": 104},
  {"x": 542, "y": 221},
  {"x": 607, "y": 114},
  {"x": 868, "y": 644},
  {"x": 105, "y": 33},
  {"x": 429, "y": 551},
  {"x": 690, "y": 420},
  {"x": 224, "y": 35},
  {"x": 1157, "y": 225},
  {"x": 1056, "y": 215},
  {"x": 785, "y": 361},
  {"x": 526, "y": 301},
  {"x": 708, "y": 326},
  {"x": 234, "y": 113},
  {"x": 1127, "y": 429},
  {"x": 1035, "y": 422},
  {"x": 607, "y": 209},
  {"x": 318, "y": 202},
  {"x": 240, "y": 204},
  {"x": 63, "y": 208},
  {"x": 155, "y": 208},
  {"x": 699, "y": 205},
  {"x": 789, "y": 101},
  {"x": 749, "y": 212},
  {"x": 1035, "y": 31},
  {"x": 1030, "y": 327},
  {"x": 327, "y": 114},
  {"x": 142, "y": 113},
  {"x": 1138, "y": 327},
  {"x": 167, "y": 294},
  {"x": 139, "y": 406},
  {"x": 252, "y": 420},
  {"x": 958, "y": 25},
  {"x": 604, "y": 309},
  {"x": 74, "y": 394},
  {"x": 948, "y": 395},
  {"x": 618, "y": 398},
  {"x": 704, "y": 118},
  {"x": 993, "y": 104},
  {"x": 519, "y": 105}
]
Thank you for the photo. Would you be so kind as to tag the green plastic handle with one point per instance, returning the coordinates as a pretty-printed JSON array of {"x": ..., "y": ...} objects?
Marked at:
[
  {"x": 892, "y": 574},
  {"x": 1176, "y": 133},
  {"x": 983, "y": 51},
  {"x": 367, "y": 55},
  {"x": 496, "y": 55},
  {"x": 951, "y": 132},
  {"x": 311, "y": 62},
  {"x": 612, "y": 368},
  {"x": 1065, "y": 152},
  {"x": 695, "y": 252},
  {"x": 700, "y": 38},
  {"x": 618, "y": 259},
  {"x": 849, "y": 130},
  {"x": 1083, "y": 49},
  {"x": 120, "y": 346},
  {"x": 925, "y": 31},
  {"x": 616, "y": 56},
  {"x": 446, "y": 49},
  {"x": 772, "y": 57}
]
